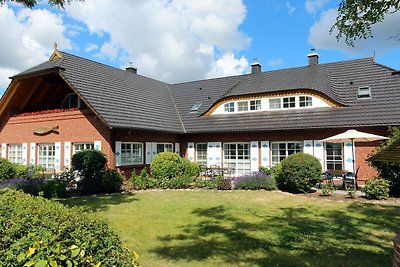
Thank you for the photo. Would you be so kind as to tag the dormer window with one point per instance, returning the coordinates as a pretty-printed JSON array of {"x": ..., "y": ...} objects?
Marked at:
[
  {"x": 305, "y": 101},
  {"x": 243, "y": 105},
  {"x": 275, "y": 103},
  {"x": 229, "y": 107},
  {"x": 72, "y": 101},
  {"x": 289, "y": 102},
  {"x": 364, "y": 92},
  {"x": 255, "y": 104}
]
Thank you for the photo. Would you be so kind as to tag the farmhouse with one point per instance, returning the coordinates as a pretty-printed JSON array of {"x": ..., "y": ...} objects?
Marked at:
[{"x": 69, "y": 103}]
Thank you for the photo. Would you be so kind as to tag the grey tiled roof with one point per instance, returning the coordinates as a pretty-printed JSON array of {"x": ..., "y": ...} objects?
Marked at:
[{"x": 126, "y": 100}]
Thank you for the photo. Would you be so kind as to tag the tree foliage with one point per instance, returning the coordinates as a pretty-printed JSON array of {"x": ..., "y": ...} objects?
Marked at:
[
  {"x": 356, "y": 17},
  {"x": 32, "y": 3}
]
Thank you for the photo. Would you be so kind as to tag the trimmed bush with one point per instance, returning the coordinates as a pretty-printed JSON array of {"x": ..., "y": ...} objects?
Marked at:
[
  {"x": 180, "y": 182},
  {"x": 255, "y": 181},
  {"x": 205, "y": 183},
  {"x": 300, "y": 171},
  {"x": 7, "y": 170},
  {"x": 38, "y": 232},
  {"x": 327, "y": 189},
  {"x": 91, "y": 164},
  {"x": 21, "y": 171},
  {"x": 191, "y": 168},
  {"x": 54, "y": 188},
  {"x": 376, "y": 188},
  {"x": 167, "y": 165},
  {"x": 111, "y": 181}
]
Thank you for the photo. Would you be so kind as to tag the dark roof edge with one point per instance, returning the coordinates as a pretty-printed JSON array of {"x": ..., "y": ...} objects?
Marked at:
[{"x": 54, "y": 69}]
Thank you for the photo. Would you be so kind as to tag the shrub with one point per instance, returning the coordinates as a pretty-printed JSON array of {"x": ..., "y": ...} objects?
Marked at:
[
  {"x": 376, "y": 188},
  {"x": 300, "y": 171},
  {"x": 255, "y": 181},
  {"x": 167, "y": 165},
  {"x": 224, "y": 183},
  {"x": 389, "y": 171},
  {"x": 111, "y": 182},
  {"x": 327, "y": 189},
  {"x": 31, "y": 186},
  {"x": 205, "y": 183},
  {"x": 54, "y": 188},
  {"x": 92, "y": 165},
  {"x": 276, "y": 170},
  {"x": 38, "y": 232},
  {"x": 142, "y": 181},
  {"x": 21, "y": 171},
  {"x": 179, "y": 182},
  {"x": 7, "y": 170},
  {"x": 191, "y": 168},
  {"x": 265, "y": 170}
]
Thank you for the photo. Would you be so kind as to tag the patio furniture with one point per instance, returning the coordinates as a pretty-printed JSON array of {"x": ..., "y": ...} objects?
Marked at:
[
  {"x": 215, "y": 170},
  {"x": 350, "y": 180}
]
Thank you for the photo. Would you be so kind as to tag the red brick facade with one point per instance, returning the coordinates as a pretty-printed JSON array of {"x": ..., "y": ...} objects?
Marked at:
[{"x": 83, "y": 126}]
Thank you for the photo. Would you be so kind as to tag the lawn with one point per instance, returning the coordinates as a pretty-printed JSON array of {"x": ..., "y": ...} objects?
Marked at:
[{"x": 248, "y": 228}]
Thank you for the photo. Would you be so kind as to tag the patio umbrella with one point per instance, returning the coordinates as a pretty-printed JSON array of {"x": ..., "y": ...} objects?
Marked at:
[{"x": 353, "y": 136}]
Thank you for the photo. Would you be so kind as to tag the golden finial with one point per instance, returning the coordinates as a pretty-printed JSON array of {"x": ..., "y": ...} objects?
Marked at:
[{"x": 56, "y": 54}]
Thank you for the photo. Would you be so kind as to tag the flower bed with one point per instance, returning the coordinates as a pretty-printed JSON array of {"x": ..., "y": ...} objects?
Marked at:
[{"x": 48, "y": 111}]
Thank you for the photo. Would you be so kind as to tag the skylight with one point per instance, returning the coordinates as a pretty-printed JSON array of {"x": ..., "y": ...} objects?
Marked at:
[
  {"x": 364, "y": 92},
  {"x": 196, "y": 107}
]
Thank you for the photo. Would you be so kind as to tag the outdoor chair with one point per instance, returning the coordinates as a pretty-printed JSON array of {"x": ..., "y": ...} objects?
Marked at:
[{"x": 350, "y": 179}]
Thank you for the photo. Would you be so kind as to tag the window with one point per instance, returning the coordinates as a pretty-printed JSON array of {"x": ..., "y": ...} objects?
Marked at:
[
  {"x": 243, "y": 105},
  {"x": 289, "y": 102},
  {"x": 131, "y": 153},
  {"x": 72, "y": 101},
  {"x": 82, "y": 146},
  {"x": 46, "y": 156},
  {"x": 237, "y": 156},
  {"x": 15, "y": 153},
  {"x": 305, "y": 101},
  {"x": 255, "y": 104},
  {"x": 281, "y": 150},
  {"x": 201, "y": 154},
  {"x": 364, "y": 92},
  {"x": 334, "y": 156},
  {"x": 275, "y": 103},
  {"x": 196, "y": 107},
  {"x": 164, "y": 148},
  {"x": 229, "y": 107}
]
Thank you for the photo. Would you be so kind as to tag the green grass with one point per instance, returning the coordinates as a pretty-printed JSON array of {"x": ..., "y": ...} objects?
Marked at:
[{"x": 248, "y": 228}]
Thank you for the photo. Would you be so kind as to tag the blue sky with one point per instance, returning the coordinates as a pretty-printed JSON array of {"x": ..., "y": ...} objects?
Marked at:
[{"x": 183, "y": 40}]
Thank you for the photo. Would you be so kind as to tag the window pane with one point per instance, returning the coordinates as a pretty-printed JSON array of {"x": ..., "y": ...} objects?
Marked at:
[
  {"x": 255, "y": 105},
  {"x": 289, "y": 102},
  {"x": 275, "y": 103},
  {"x": 334, "y": 156},
  {"x": 229, "y": 107},
  {"x": 201, "y": 154},
  {"x": 305, "y": 101},
  {"x": 243, "y": 106}
]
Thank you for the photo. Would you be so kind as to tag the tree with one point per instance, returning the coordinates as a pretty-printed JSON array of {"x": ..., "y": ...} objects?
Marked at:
[
  {"x": 32, "y": 3},
  {"x": 356, "y": 17}
]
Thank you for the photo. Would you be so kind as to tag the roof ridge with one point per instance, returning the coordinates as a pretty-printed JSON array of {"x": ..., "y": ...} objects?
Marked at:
[{"x": 176, "y": 109}]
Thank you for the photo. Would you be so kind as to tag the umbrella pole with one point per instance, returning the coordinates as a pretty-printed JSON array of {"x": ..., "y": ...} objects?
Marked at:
[{"x": 354, "y": 161}]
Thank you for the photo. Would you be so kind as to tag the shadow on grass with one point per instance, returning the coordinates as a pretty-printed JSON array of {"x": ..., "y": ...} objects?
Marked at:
[
  {"x": 100, "y": 202},
  {"x": 296, "y": 236}
]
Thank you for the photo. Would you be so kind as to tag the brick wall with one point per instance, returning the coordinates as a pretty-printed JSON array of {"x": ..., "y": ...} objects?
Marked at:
[{"x": 74, "y": 126}]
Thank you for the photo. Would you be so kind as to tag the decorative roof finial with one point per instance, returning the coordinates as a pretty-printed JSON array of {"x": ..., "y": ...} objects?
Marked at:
[
  {"x": 56, "y": 53},
  {"x": 55, "y": 46}
]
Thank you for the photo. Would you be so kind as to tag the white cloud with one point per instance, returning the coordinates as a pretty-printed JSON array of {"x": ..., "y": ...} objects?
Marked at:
[
  {"x": 91, "y": 47},
  {"x": 228, "y": 65},
  {"x": 313, "y": 6},
  {"x": 109, "y": 51},
  {"x": 320, "y": 38},
  {"x": 172, "y": 40},
  {"x": 27, "y": 39},
  {"x": 290, "y": 8}
]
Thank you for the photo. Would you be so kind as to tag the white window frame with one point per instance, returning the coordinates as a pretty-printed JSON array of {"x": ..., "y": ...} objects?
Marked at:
[
  {"x": 201, "y": 154},
  {"x": 242, "y": 106},
  {"x": 273, "y": 103},
  {"x": 47, "y": 155},
  {"x": 278, "y": 157},
  {"x": 335, "y": 159},
  {"x": 291, "y": 102},
  {"x": 255, "y": 105},
  {"x": 166, "y": 147},
  {"x": 85, "y": 145},
  {"x": 132, "y": 153},
  {"x": 229, "y": 107},
  {"x": 15, "y": 153},
  {"x": 364, "y": 92},
  {"x": 305, "y": 101},
  {"x": 241, "y": 162}
]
